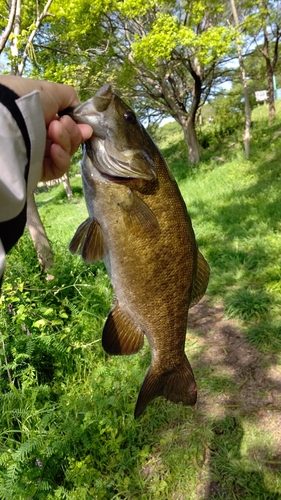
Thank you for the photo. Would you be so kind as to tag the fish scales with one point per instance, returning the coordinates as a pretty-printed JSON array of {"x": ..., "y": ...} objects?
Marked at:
[
  {"x": 138, "y": 223},
  {"x": 148, "y": 280}
]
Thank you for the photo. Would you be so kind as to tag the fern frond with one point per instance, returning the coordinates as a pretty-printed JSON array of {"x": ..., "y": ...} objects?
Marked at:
[{"x": 26, "y": 448}]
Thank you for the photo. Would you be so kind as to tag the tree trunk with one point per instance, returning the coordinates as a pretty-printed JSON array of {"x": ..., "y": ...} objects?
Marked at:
[
  {"x": 184, "y": 118},
  {"x": 14, "y": 44},
  {"x": 247, "y": 135},
  {"x": 66, "y": 185},
  {"x": 190, "y": 131},
  {"x": 9, "y": 27},
  {"x": 269, "y": 71},
  {"x": 270, "y": 89},
  {"x": 191, "y": 140},
  {"x": 268, "y": 46},
  {"x": 188, "y": 120},
  {"x": 38, "y": 235}
]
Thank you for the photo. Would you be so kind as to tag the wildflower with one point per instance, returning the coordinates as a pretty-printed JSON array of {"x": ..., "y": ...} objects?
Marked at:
[
  {"x": 38, "y": 463},
  {"x": 27, "y": 332},
  {"x": 9, "y": 307}
]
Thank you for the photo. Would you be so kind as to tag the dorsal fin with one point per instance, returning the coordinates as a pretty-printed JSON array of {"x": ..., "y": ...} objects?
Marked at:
[{"x": 201, "y": 280}]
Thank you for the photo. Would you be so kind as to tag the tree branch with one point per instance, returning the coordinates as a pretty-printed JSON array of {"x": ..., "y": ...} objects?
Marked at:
[
  {"x": 9, "y": 27},
  {"x": 39, "y": 20}
]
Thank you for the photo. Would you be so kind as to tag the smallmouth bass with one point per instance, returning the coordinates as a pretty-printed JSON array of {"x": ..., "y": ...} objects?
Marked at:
[{"x": 139, "y": 225}]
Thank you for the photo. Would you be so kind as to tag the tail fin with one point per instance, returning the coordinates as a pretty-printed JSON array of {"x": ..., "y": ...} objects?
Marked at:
[{"x": 177, "y": 386}]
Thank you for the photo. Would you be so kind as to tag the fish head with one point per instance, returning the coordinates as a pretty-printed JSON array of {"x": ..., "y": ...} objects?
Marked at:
[{"x": 120, "y": 148}]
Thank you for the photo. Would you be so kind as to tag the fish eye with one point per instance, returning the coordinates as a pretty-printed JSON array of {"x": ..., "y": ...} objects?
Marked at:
[{"x": 130, "y": 117}]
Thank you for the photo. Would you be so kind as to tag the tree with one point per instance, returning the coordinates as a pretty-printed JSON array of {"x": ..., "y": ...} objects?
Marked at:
[
  {"x": 271, "y": 27},
  {"x": 38, "y": 235},
  {"x": 244, "y": 82},
  {"x": 10, "y": 22},
  {"x": 165, "y": 56},
  {"x": 176, "y": 63},
  {"x": 263, "y": 23}
]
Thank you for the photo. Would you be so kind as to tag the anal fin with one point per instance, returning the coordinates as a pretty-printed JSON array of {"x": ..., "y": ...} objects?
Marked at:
[{"x": 120, "y": 334}]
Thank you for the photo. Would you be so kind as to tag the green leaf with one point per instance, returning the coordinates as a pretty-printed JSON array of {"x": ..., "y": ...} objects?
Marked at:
[{"x": 39, "y": 323}]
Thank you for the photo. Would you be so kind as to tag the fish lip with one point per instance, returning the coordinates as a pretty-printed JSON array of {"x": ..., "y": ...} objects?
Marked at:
[
  {"x": 90, "y": 111},
  {"x": 84, "y": 108},
  {"x": 86, "y": 113}
]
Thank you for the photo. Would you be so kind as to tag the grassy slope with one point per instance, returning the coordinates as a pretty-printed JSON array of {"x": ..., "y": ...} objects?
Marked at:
[{"x": 76, "y": 417}]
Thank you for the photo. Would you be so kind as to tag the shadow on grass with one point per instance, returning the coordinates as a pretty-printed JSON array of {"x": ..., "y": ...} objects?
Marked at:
[
  {"x": 227, "y": 479},
  {"x": 177, "y": 160},
  {"x": 245, "y": 252}
]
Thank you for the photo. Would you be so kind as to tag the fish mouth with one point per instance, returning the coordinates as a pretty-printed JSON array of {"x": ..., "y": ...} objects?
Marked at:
[
  {"x": 86, "y": 113},
  {"x": 90, "y": 112}
]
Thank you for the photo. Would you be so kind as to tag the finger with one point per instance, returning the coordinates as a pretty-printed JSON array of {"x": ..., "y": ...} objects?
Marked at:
[
  {"x": 86, "y": 131},
  {"x": 74, "y": 133},
  {"x": 58, "y": 134},
  {"x": 66, "y": 96},
  {"x": 78, "y": 132},
  {"x": 61, "y": 160},
  {"x": 56, "y": 163},
  {"x": 54, "y": 96}
]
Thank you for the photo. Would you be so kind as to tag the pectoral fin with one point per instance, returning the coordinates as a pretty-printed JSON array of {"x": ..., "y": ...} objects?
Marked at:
[
  {"x": 77, "y": 241},
  {"x": 120, "y": 335},
  {"x": 138, "y": 215},
  {"x": 202, "y": 279},
  {"x": 88, "y": 241}
]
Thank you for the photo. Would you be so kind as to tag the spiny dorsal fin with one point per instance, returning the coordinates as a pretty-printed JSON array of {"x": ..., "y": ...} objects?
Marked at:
[
  {"x": 201, "y": 280},
  {"x": 88, "y": 241},
  {"x": 138, "y": 215},
  {"x": 177, "y": 385},
  {"x": 120, "y": 335}
]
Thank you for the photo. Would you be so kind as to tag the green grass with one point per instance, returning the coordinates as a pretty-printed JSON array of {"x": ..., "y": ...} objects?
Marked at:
[{"x": 66, "y": 424}]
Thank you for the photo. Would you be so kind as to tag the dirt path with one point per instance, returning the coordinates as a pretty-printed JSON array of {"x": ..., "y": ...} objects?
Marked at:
[
  {"x": 253, "y": 386},
  {"x": 256, "y": 376}
]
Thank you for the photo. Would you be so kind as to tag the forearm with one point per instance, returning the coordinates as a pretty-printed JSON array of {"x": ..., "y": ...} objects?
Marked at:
[
  {"x": 22, "y": 144},
  {"x": 25, "y": 119}
]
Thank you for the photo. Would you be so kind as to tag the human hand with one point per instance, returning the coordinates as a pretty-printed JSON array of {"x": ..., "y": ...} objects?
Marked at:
[{"x": 64, "y": 136}]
